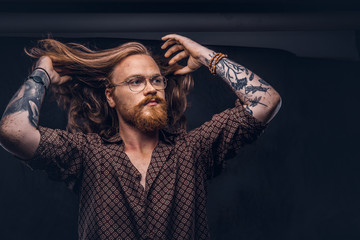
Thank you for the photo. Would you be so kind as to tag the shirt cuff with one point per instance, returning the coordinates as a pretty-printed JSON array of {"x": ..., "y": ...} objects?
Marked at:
[
  {"x": 38, "y": 160},
  {"x": 241, "y": 113}
]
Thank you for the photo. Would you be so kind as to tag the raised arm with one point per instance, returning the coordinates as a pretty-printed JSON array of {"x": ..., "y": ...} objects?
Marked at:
[
  {"x": 19, "y": 124},
  {"x": 257, "y": 96}
]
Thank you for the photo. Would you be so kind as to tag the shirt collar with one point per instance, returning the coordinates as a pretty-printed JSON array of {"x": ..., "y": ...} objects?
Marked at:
[
  {"x": 167, "y": 134},
  {"x": 115, "y": 138}
]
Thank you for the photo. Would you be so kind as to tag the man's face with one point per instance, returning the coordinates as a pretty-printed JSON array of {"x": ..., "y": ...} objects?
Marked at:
[{"x": 145, "y": 110}]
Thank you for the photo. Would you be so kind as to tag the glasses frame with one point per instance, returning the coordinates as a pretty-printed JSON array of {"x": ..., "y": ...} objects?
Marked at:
[{"x": 146, "y": 82}]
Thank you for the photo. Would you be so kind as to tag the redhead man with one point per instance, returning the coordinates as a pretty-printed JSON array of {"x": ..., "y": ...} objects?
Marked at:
[{"x": 138, "y": 173}]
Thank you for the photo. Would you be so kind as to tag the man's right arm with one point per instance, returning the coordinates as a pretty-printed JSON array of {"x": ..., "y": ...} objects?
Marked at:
[
  {"x": 19, "y": 124},
  {"x": 18, "y": 128}
]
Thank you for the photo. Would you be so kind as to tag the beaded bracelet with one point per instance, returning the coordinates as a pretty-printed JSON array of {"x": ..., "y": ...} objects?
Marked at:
[{"x": 214, "y": 61}]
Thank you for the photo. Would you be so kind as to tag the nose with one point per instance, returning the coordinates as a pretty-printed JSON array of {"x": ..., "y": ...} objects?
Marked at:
[{"x": 149, "y": 89}]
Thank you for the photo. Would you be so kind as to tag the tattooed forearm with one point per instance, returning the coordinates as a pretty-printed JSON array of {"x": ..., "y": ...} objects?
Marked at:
[
  {"x": 27, "y": 99},
  {"x": 250, "y": 88},
  {"x": 234, "y": 73},
  {"x": 257, "y": 96}
]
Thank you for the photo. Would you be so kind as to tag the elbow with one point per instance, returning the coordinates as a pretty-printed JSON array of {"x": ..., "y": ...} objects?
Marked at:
[
  {"x": 277, "y": 104},
  {"x": 4, "y": 134},
  {"x": 273, "y": 108},
  {"x": 8, "y": 136},
  {"x": 16, "y": 140}
]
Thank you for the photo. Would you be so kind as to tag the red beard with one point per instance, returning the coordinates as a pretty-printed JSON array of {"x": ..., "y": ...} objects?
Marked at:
[{"x": 154, "y": 119}]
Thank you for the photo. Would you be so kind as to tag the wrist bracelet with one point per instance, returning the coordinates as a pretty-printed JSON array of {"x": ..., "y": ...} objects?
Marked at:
[
  {"x": 40, "y": 75},
  {"x": 214, "y": 61}
]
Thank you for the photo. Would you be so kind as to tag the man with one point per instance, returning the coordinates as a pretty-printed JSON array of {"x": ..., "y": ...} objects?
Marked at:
[{"x": 146, "y": 178}]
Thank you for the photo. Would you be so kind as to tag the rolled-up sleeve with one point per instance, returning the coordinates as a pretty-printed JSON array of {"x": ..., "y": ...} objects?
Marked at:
[
  {"x": 60, "y": 154},
  {"x": 219, "y": 138}
]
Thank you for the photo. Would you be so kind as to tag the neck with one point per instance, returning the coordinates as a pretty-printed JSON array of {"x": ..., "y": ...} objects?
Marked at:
[{"x": 136, "y": 140}]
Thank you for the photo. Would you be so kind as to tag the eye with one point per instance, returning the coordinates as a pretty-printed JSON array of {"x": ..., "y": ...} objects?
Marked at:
[
  {"x": 136, "y": 81},
  {"x": 157, "y": 80}
]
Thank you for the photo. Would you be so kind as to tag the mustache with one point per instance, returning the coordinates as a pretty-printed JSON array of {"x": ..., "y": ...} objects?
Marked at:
[{"x": 149, "y": 98}]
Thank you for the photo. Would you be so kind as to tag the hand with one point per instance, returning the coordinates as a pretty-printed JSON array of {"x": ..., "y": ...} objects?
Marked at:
[
  {"x": 45, "y": 62},
  {"x": 188, "y": 48}
]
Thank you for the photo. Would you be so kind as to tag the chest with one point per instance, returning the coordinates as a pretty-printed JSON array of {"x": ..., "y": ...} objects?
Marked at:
[
  {"x": 155, "y": 170},
  {"x": 141, "y": 162},
  {"x": 174, "y": 192}
]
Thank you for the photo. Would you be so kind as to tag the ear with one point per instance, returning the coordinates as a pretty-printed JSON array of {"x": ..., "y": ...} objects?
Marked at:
[{"x": 109, "y": 97}]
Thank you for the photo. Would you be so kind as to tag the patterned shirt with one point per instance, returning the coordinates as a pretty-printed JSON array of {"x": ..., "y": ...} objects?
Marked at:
[{"x": 113, "y": 203}]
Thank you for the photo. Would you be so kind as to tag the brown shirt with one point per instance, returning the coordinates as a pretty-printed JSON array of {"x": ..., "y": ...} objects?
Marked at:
[{"x": 113, "y": 203}]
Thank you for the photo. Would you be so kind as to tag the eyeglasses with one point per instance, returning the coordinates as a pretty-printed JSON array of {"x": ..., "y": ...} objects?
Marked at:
[{"x": 138, "y": 83}]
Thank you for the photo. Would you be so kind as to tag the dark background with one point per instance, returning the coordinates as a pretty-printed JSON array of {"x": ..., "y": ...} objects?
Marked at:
[{"x": 300, "y": 180}]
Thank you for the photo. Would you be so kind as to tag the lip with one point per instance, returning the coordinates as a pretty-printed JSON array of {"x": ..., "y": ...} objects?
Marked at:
[{"x": 152, "y": 102}]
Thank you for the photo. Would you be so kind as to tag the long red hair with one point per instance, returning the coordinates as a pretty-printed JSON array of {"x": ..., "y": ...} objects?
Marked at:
[{"x": 83, "y": 97}]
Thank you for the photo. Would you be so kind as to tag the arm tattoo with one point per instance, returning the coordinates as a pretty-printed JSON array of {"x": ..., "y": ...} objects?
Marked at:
[
  {"x": 254, "y": 102},
  {"x": 248, "y": 109},
  {"x": 233, "y": 73},
  {"x": 251, "y": 77},
  {"x": 254, "y": 89},
  {"x": 263, "y": 82},
  {"x": 27, "y": 99},
  {"x": 239, "y": 84},
  {"x": 239, "y": 78},
  {"x": 249, "y": 87}
]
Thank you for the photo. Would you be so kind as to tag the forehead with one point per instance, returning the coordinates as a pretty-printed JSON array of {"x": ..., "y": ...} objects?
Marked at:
[{"x": 135, "y": 65}]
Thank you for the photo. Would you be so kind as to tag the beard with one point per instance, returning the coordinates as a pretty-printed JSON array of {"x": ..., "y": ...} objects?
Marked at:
[{"x": 150, "y": 119}]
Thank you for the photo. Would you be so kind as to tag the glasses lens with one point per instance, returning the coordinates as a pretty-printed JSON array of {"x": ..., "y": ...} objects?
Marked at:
[
  {"x": 159, "y": 82},
  {"x": 137, "y": 84}
]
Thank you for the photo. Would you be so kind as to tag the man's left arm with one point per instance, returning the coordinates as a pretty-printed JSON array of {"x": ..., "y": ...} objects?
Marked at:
[{"x": 257, "y": 96}]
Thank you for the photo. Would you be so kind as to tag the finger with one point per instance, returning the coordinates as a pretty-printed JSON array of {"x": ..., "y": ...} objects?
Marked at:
[
  {"x": 178, "y": 57},
  {"x": 64, "y": 79},
  {"x": 183, "y": 71},
  {"x": 168, "y": 43},
  {"x": 191, "y": 46},
  {"x": 173, "y": 49},
  {"x": 175, "y": 37}
]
